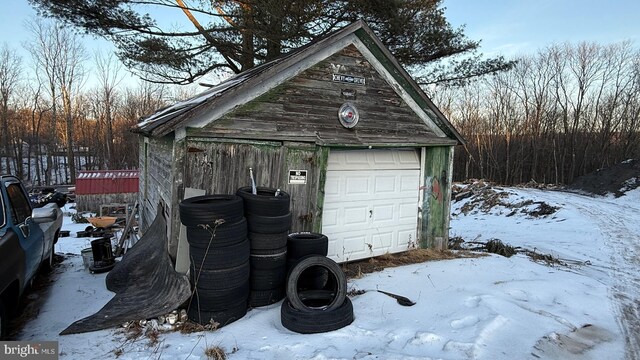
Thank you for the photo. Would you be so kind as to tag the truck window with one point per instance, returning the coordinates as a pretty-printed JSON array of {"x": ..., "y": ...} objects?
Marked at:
[{"x": 20, "y": 207}]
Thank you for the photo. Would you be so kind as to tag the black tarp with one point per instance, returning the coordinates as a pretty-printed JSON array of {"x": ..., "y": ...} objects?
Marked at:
[{"x": 145, "y": 283}]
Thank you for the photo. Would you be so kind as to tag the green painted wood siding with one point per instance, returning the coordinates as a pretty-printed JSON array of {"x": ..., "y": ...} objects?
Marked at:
[{"x": 437, "y": 197}]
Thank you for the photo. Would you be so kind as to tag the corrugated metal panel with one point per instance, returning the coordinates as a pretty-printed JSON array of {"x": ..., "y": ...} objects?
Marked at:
[{"x": 107, "y": 182}]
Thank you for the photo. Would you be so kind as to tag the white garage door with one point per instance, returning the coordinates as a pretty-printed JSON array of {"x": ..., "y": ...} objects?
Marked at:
[{"x": 371, "y": 202}]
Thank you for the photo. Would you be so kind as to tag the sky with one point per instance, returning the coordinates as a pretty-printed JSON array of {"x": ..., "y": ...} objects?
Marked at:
[
  {"x": 505, "y": 27},
  {"x": 517, "y": 27}
]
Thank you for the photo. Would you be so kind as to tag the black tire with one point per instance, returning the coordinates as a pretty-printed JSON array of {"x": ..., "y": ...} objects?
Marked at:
[
  {"x": 269, "y": 224},
  {"x": 336, "y": 283},
  {"x": 268, "y": 262},
  {"x": 268, "y": 279},
  {"x": 258, "y": 298},
  {"x": 223, "y": 317},
  {"x": 219, "y": 236},
  {"x": 261, "y": 241},
  {"x": 220, "y": 279},
  {"x": 215, "y": 300},
  {"x": 317, "y": 321},
  {"x": 279, "y": 251},
  {"x": 265, "y": 202},
  {"x": 303, "y": 244},
  {"x": 207, "y": 209},
  {"x": 216, "y": 258},
  {"x": 316, "y": 296},
  {"x": 313, "y": 278}
]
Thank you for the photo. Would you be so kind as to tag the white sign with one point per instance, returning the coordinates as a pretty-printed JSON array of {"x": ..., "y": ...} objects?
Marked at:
[
  {"x": 348, "y": 79},
  {"x": 297, "y": 176}
]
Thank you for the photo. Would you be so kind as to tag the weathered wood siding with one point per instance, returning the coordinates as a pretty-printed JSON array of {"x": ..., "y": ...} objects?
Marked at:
[
  {"x": 305, "y": 108},
  {"x": 434, "y": 227},
  {"x": 223, "y": 167},
  {"x": 156, "y": 160}
]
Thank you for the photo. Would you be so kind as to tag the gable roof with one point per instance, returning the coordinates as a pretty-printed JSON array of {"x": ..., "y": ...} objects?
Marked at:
[{"x": 246, "y": 86}]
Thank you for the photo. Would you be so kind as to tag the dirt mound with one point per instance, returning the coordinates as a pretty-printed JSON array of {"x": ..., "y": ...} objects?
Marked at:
[
  {"x": 616, "y": 179},
  {"x": 482, "y": 196}
]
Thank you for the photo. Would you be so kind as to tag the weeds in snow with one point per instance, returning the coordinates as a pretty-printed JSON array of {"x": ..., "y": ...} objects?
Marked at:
[{"x": 215, "y": 353}]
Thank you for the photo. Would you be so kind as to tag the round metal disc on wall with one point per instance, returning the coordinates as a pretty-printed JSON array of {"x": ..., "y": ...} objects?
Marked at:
[{"x": 348, "y": 115}]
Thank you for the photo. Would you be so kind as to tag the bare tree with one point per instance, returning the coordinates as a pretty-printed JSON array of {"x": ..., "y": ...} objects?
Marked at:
[
  {"x": 109, "y": 77},
  {"x": 58, "y": 57},
  {"x": 9, "y": 74},
  {"x": 563, "y": 112}
]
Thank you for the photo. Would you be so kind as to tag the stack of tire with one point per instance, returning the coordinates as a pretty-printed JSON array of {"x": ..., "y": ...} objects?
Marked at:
[
  {"x": 268, "y": 221},
  {"x": 320, "y": 305},
  {"x": 219, "y": 258},
  {"x": 301, "y": 245}
]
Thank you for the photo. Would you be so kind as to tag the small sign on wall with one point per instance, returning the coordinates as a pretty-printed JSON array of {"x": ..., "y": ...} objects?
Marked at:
[
  {"x": 348, "y": 79},
  {"x": 297, "y": 176}
]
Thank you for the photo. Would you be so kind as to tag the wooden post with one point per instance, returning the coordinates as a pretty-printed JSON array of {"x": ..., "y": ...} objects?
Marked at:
[{"x": 436, "y": 204}]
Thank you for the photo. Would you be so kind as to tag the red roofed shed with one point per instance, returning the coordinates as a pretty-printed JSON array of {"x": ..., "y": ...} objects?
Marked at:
[{"x": 99, "y": 187}]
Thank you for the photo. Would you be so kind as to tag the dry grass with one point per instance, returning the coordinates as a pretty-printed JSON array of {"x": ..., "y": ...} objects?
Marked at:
[
  {"x": 189, "y": 327},
  {"x": 153, "y": 336},
  {"x": 215, "y": 353},
  {"x": 357, "y": 269}
]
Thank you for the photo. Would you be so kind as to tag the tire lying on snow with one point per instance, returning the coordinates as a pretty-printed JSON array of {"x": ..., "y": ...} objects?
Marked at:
[
  {"x": 316, "y": 321},
  {"x": 336, "y": 284}
]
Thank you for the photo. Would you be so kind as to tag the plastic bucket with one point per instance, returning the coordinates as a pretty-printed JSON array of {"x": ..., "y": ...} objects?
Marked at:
[
  {"x": 87, "y": 257},
  {"x": 102, "y": 251}
]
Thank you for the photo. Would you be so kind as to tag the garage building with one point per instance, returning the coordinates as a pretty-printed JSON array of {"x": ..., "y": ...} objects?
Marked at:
[{"x": 338, "y": 124}]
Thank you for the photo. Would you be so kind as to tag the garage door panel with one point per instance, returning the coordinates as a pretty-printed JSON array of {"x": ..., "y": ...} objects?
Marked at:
[
  {"x": 384, "y": 212},
  {"x": 332, "y": 187},
  {"x": 373, "y": 159},
  {"x": 385, "y": 184},
  {"x": 407, "y": 211},
  {"x": 408, "y": 159},
  {"x": 406, "y": 239},
  {"x": 330, "y": 218},
  {"x": 409, "y": 182},
  {"x": 356, "y": 215},
  {"x": 348, "y": 246},
  {"x": 384, "y": 159},
  {"x": 356, "y": 185},
  {"x": 382, "y": 240},
  {"x": 347, "y": 186},
  {"x": 355, "y": 244}
]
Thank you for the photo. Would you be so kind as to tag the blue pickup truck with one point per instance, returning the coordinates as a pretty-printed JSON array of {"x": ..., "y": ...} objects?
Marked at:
[{"x": 27, "y": 236}]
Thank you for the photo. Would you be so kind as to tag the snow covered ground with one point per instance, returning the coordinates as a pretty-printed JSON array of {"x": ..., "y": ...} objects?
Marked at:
[{"x": 475, "y": 308}]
